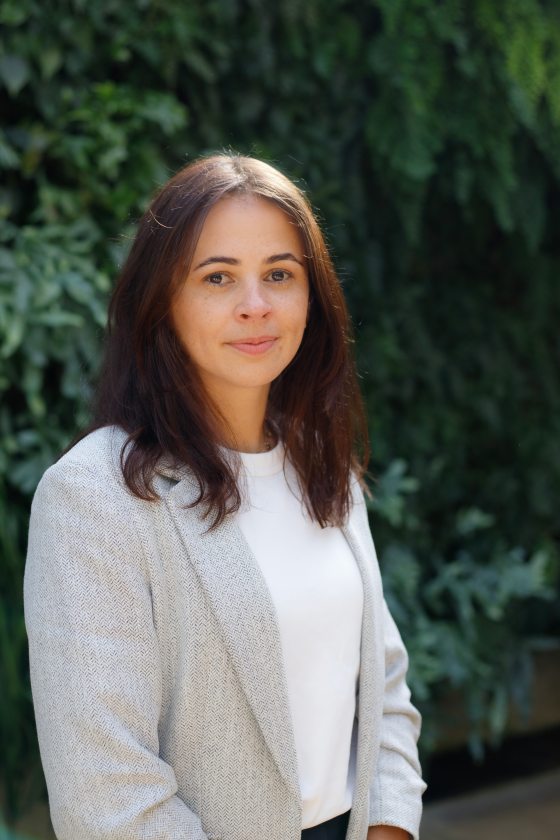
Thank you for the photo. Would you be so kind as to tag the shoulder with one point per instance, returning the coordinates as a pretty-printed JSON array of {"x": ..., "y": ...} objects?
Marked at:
[
  {"x": 99, "y": 451},
  {"x": 87, "y": 532},
  {"x": 89, "y": 478},
  {"x": 83, "y": 515},
  {"x": 92, "y": 465}
]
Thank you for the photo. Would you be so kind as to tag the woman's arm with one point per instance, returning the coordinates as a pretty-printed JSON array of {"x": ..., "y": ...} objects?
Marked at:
[
  {"x": 95, "y": 667},
  {"x": 396, "y": 787},
  {"x": 396, "y": 790}
]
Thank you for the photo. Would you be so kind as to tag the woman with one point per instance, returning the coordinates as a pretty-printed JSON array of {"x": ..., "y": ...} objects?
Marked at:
[{"x": 211, "y": 655}]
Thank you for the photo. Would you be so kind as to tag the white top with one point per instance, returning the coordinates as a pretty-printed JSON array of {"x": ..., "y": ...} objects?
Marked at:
[{"x": 316, "y": 589}]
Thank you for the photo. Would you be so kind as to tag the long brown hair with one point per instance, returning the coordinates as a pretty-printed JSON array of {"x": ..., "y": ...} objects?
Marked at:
[{"x": 149, "y": 387}]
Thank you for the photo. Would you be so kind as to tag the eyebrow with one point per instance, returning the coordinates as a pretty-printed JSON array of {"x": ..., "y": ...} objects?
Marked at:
[{"x": 269, "y": 260}]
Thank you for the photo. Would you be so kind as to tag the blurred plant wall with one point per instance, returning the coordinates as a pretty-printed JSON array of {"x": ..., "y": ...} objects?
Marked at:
[{"x": 428, "y": 135}]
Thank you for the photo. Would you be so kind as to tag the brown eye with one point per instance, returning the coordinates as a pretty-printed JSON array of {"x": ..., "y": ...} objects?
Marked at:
[{"x": 279, "y": 275}]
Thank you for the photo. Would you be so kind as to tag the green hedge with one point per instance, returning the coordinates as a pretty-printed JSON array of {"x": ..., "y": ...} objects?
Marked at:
[{"x": 428, "y": 134}]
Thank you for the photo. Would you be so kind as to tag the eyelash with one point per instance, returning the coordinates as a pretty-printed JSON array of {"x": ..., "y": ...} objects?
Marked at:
[{"x": 287, "y": 275}]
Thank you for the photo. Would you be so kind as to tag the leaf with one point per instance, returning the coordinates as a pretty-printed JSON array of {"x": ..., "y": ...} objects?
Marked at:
[
  {"x": 51, "y": 61},
  {"x": 14, "y": 72},
  {"x": 470, "y": 520},
  {"x": 9, "y": 159},
  {"x": 165, "y": 111},
  {"x": 201, "y": 66},
  {"x": 13, "y": 335},
  {"x": 60, "y": 319},
  {"x": 77, "y": 287},
  {"x": 7, "y": 260}
]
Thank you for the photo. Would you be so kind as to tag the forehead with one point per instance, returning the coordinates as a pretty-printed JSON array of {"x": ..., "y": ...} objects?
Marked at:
[{"x": 247, "y": 223}]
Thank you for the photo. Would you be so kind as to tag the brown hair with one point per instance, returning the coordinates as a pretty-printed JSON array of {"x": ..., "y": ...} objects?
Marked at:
[{"x": 149, "y": 387}]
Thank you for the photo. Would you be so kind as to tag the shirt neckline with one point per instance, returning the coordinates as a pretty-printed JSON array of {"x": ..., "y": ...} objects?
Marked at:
[{"x": 263, "y": 463}]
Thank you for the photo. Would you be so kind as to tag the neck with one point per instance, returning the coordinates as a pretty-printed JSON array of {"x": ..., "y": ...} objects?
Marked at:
[{"x": 244, "y": 414}]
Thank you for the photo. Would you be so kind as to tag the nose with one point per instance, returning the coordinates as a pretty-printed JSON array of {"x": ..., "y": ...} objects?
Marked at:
[{"x": 254, "y": 301}]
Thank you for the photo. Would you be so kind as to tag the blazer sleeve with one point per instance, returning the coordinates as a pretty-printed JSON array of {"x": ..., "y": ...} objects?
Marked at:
[
  {"x": 397, "y": 787},
  {"x": 95, "y": 665}
]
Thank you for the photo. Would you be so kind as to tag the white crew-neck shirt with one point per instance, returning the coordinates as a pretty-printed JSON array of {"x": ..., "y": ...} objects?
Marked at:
[{"x": 316, "y": 588}]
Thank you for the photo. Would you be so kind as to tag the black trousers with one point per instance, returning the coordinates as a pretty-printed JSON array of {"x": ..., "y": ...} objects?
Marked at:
[{"x": 334, "y": 829}]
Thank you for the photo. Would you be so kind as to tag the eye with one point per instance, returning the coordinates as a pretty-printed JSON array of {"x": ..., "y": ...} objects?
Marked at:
[
  {"x": 279, "y": 275},
  {"x": 216, "y": 279}
]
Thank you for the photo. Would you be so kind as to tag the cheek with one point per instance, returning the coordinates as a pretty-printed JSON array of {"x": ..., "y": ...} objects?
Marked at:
[
  {"x": 193, "y": 321},
  {"x": 299, "y": 314},
  {"x": 296, "y": 330}
]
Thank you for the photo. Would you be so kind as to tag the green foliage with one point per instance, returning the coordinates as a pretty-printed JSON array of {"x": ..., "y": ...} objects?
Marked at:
[
  {"x": 463, "y": 615},
  {"x": 8, "y": 834},
  {"x": 21, "y": 773},
  {"x": 428, "y": 134}
]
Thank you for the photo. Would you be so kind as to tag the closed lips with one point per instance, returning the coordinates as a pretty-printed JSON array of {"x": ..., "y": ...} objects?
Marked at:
[
  {"x": 260, "y": 340},
  {"x": 254, "y": 345}
]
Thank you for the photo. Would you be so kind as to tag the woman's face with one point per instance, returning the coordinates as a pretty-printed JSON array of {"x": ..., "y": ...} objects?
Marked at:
[{"x": 242, "y": 309}]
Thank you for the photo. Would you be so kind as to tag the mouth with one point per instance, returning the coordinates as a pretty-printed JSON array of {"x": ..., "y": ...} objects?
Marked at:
[{"x": 254, "y": 346}]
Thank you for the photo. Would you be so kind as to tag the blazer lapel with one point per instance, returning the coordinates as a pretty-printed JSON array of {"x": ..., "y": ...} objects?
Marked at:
[{"x": 240, "y": 599}]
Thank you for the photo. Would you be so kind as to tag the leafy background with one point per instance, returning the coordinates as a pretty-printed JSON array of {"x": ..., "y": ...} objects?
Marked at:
[{"x": 427, "y": 134}]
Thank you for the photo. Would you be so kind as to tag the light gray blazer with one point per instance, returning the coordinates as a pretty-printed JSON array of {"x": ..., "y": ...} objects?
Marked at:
[{"x": 157, "y": 672}]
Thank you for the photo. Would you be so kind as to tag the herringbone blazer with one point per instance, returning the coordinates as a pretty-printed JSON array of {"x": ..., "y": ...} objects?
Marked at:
[{"x": 157, "y": 672}]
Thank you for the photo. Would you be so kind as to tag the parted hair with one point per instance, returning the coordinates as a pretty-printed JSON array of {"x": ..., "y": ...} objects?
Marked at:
[{"x": 150, "y": 388}]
